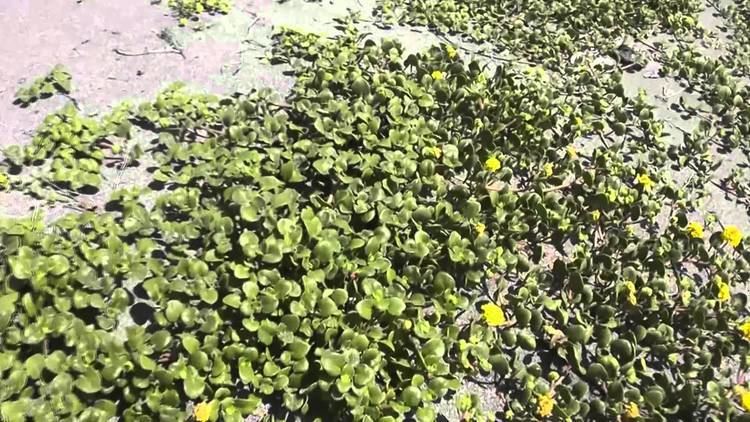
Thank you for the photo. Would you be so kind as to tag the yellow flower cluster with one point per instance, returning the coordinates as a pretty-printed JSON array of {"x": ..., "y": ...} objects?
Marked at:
[
  {"x": 724, "y": 293},
  {"x": 492, "y": 164},
  {"x": 596, "y": 214},
  {"x": 630, "y": 290},
  {"x": 744, "y": 397},
  {"x": 548, "y": 169},
  {"x": 644, "y": 180},
  {"x": 732, "y": 235},
  {"x": 745, "y": 329},
  {"x": 451, "y": 51},
  {"x": 572, "y": 152},
  {"x": 632, "y": 411},
  {"x": 545, "y": 405},
  {"x": 480, "y": 228},
  {"x": 436, "y": 152},
  {"x": 493, "y": 314},
  {"x": 437, "y": 75},
  {"x": 202, "y": 412},
  {"x": 695, "y": 230}
]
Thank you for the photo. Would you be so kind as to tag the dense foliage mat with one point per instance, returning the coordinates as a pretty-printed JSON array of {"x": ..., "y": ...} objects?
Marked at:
[
  {"x": 548, "y": 32},
  {"x": 399, "y": 223}
]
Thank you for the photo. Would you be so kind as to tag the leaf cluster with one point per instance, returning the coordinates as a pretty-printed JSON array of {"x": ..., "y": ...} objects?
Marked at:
[{"x": 58, "y": 80}]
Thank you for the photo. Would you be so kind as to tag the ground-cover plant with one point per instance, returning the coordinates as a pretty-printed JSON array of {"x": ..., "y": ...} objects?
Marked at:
[
  {"x": 70, "y": 149},
  {"x": 737, "y": 16},
  {"x": 548, "y": 32},
  {"x": 187, "y": 10},
  {"x": 553, "y": 33},
  {"x": 58, "y": 80},
  {"x": 397, "y": 224}
]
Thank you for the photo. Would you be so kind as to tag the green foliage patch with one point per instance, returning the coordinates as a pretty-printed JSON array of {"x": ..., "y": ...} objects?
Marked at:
[
  {"x": 70, "y": 150},
  {"x": 187, "y": 10},
  {"x": 548, "y": 32},
  {"x": 58, "y": 80}
]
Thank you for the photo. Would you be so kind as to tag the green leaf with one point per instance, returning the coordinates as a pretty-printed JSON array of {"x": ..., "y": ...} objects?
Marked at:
[
  {"x": 8, "y": 303},
  {"x": 249, "y": 213},
  {"x": 58, "y": 265},
  {"x": 34, "y": 365},
  {"x": 14, "y": 411},
  {"x": 332, "y": 363},
  {"x": 146, "y": 363},
  {"x": 654, "y": 396},
  {"x": 364, "y": 308},
  {"x": 312, "y": 222},
  {"x": 363, "y": 375},
  {"x": 426, "y": 414},
  {"x": 194, "y": 385},
  {"x": 434, "y": 347},
  {"x": 174, "y": 310},
  {"x": 247, "y": 374},
  {"x": 324, "y": 250},
  {"x": 55, "y": 362},
  {"x": 299, "y": 349},
  {"x": 246, "y": 406},
  {"x": 241, "y": 272},
  {"x": 89, "y": 382},
  {"x": 108, "y": 407},
  {"x": 233, "y": 300},
  {"x": 161, "y": 339},
  {"x": 396, "y": 306},
  {"x": 411, "y": 396},
  {"x": 209, "y": 295},
  {"x": 190, "y": 343},
  {"x": 272, "y": 253},
  {"x": 327, "y": 307},
  {"x": 22, "y": 265}
]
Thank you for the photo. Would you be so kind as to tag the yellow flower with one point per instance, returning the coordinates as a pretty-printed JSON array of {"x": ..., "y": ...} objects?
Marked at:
[
  {"x": 572, "y": 152},
  {"x": 724, "y": 292},
  {"x": 545, "y": 405},
  {"x": 744, "y": 398},
  {"x": 451, "y": 52},
  {"x": 548, "y": 169},
  {"x": 202, "y": 411},
  {"x": 437, "y": 75},
  {"x": 596, "y": 214},
  {"x": 695, "y": 229},
  {"x": 493, "y": 314},
  {"x": 686, "y": 296},
  {"x": 632, "y": 411},
  {"x": 480, "y": 227},
  {"x": 745, "y": 329},
  {"x": 732, "y": 235},
  {"x": 630, "y": 290},
  {"x": 492, "y": 164},
  {"x": 436, "y": 151},
  {"x": 644, "y": 180},
  {"x": 4, "y": 183},
  {"x": 183, "y": 21}
]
